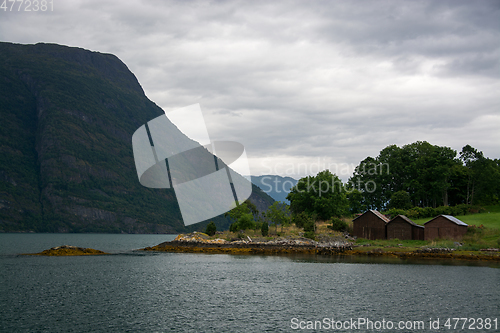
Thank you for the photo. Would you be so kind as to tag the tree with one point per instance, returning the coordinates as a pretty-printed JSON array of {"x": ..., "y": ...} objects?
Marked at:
[
  {"x": 211, "y": 229},
  {"x": 242, "y": 218},
  {"x": 246, "y": 222},
  {"x": 367, "y": 180},
  {"x": 422, "y": 170},
  {"x": 278, "y": 214},
  {"x": 356, "y": 201},
  {"x": 253, "y": 209},
  {"x": 400, "y": 200},
  {"x": 483, "y": 177},
  {"x": 323, "y": 195}
]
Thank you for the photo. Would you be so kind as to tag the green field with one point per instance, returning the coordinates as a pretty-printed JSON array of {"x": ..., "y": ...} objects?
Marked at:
[{"x": 489, "y": 219}]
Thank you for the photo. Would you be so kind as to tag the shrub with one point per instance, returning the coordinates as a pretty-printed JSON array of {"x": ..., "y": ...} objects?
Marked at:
[
  {"x": 428, "y": 212},
  {"x": 413, "y": 213},
  {"x": 309, "y": 226},
  {"x": 461, "y": 209},
  {"x": 310, "y": 235},
  {"x": 393, "y": 212},
  {"x": 234, "y": 227},
  {"x": 246, "y": 221},
  {"x": 264, "y": 229},
  {"x": 443, "y": 210},
  {"x": 472, "y": 230},
  {"x": 338, "y": 225},
  {"x": 211, "y": 229}
]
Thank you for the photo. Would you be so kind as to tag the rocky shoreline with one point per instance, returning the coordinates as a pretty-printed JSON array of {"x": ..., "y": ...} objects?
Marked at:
[
  {"x": 201, "y": 243},
  {"x": 197, "y": 243}
]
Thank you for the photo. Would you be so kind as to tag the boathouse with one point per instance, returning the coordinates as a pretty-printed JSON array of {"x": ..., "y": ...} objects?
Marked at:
[
  {"x": 403, "y": 228},
  {"x": 370, "y": 225},
  {"x": 444, "y": 226}
]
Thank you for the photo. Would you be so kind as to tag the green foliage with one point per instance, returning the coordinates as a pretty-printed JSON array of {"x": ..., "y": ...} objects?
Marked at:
[
  {"x": 211, "y": 228},
  {"x": 278, "y": 214},
  {"x": 338, "y": 225},
  {"x": 400, "y": 200},
  {"x": 483, "y": 177},
  {"x": 416, "y": 213},
  {"x": 300, "y": 219},
  {"x": 393, "y": 212},
  {"x": 242, "y": 217},
  {"x": 310, "y": 235},
  {"x": 356, "y": 200},
  {"x": 310, "y": 225},
  {"x": 323, "y": 195},
  {"x": 431, "y": 176},
  {"x": 234, "y": 227},
  {"x": 253, "y": 209},
  {"x": 238, "y": 211},
  {"x": 246, "y": 222},
  {"x": 264, "y": 229}
]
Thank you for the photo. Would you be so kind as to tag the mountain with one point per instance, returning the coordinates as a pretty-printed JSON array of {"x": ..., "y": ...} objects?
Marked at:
[
  {"x": 276, "y": 187},
  {"x": 66, "y": 160}
]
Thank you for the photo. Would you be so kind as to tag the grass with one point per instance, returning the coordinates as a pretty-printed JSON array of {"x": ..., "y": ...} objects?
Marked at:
[
  {"x": 490, "y": 219},
  {"x": 474, "y": 240},
  {"x": 391, "y": 242}
]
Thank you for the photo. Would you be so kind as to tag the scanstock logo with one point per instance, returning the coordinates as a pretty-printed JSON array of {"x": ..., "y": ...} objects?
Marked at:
[{"x": 206, "y": 176}]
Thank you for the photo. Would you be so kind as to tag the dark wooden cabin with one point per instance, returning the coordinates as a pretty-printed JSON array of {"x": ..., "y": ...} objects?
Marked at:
[
  {"x": 370, "y": 225},
  {"x": 403, "y": 228},
  {"x": 444, "y": 226}
]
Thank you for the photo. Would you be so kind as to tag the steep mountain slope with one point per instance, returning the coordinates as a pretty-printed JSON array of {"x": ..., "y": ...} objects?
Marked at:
[{"x": 66, "y": 161}]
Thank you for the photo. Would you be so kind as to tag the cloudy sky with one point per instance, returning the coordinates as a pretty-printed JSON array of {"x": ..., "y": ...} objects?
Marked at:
[{"x": 303, "y": 85}]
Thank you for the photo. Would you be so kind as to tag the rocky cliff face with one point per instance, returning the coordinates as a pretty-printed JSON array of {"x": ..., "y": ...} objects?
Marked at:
[{"x": 66, "y": 161}]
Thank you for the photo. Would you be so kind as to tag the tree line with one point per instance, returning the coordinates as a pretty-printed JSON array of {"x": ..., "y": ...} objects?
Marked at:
[
  {"x": 419, "y": 178},
  {"x": 424, "y": 175}
]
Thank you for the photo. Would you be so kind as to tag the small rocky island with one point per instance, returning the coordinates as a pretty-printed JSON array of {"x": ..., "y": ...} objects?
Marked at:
[{"x": 68, "y": 250}]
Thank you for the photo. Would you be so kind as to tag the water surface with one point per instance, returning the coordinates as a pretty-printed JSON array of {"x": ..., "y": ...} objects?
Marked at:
[{"x": 175, "y": 292}]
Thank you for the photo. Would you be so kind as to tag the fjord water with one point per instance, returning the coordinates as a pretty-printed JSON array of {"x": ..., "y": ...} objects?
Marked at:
[{"x": 177, "y": 292}]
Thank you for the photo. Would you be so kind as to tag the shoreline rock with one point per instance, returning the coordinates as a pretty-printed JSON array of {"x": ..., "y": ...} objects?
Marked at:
[
  {"x": 201, "y": 243},
  {"x": 68, "y": 250}
]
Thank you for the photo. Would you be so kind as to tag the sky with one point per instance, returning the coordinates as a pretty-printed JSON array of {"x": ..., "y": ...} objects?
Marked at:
[{"x": 303, "y": 85}]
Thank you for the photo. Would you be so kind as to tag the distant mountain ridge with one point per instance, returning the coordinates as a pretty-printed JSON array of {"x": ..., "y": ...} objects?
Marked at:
[
  {"x": 275, "y": 186},
  {"x": 66, "y": 161}
]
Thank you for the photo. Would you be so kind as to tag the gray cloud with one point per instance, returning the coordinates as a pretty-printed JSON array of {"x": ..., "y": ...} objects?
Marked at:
[{"x": 300, "y": 81}]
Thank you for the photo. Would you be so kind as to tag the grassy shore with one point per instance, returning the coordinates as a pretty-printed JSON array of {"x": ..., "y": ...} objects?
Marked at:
[{"x": 485, "y": 234}]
